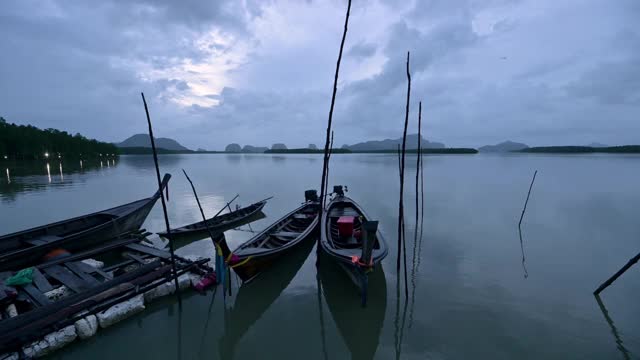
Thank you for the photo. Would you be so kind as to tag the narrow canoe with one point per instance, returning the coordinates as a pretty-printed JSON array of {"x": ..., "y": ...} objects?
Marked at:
[
  {"x": 28, "y": 247},
  {"x": 261, "y": 251},
  {"x": 219, "y": 223},
  {"x": 346, "y": 251}
]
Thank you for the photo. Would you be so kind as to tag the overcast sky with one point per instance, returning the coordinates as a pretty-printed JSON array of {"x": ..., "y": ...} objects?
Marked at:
[{"x": 259, "y": 72}]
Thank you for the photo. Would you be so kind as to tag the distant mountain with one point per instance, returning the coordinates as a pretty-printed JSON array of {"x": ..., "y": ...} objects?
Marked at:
[
  {"x": 201, "y": 150},
  {"x": 254, "y": 149},
  {"x": 143, "y": 140},
  {"x": 392, "y": 144},
  {"x": 506, "y": 146},
  {"x": 597, "y": 145},
  {"x": 233, "y": 148},
  {"x": 278, "y": 146},
  {"x": 312, "y": 147}
]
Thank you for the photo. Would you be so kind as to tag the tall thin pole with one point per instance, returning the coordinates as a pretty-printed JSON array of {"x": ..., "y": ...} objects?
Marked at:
[
  {"x": 401, "y": 244},
  {"x": 615, "y": 276},
  {"x": 164, "y": 204},
  {"x": 223, "y": 244},
  {"x": 528, "y": 195},
  {"x": 415, "y": 235},
  {"x": 329, "y": 122}
]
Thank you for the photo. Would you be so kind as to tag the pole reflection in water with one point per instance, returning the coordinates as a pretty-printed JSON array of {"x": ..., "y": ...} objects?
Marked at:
[
  {"x": 48, "y": 172},
  {"x": 398, "y": 323},
  {"x": 8, "y": 177},
  {"x": 323, "y": 337},
  {"x": 61, "y": 175},
  {"x": 625, "y": 353},
  {"x": 101, "y": 164},
  {"x": 359, "y": 327},
  {"x": 254, "y": 298},
  {"x": 80, "y": 164}
]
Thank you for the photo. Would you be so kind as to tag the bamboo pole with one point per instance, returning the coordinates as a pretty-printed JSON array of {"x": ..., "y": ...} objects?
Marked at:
[
  {"x": 415, "y": 235},
  {"x": 329, "y": 122},
  {"x": 164, "y": 204},
  {"x": 401, "y": 237},
  {"x": 615, "y": 276},
  {"x": 528, "y": 195},
  {"x": 223, "y": 244}
]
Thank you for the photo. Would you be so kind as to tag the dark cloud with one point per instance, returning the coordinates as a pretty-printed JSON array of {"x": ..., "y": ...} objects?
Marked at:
[
  {"x": 362, "y": 50},
  {"x": 257, "y": 72}
]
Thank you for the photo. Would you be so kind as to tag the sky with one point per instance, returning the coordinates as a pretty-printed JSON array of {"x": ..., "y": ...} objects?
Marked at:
[{"x": 543, "y": 72}]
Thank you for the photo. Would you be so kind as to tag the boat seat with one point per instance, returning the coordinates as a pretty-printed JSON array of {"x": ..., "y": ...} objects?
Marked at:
[
  {"x": 41, "y": 240},
  {"x": 301, "y": 216},
  {"x": 349, "y": 243},
  {"x": 286, "y": 234}
]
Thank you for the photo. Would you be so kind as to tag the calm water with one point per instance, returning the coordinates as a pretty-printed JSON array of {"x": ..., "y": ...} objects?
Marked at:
[{"x": 468, "y": 294}]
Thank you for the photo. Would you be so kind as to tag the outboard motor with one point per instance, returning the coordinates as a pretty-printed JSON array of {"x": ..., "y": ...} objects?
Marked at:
[
  {"x": 311, "y": 195},
  {"x": 337, "y": 189},
  {"x": 369, "y": 229}
]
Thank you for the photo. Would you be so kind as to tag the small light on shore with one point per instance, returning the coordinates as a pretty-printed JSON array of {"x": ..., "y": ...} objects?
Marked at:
[
  {"x": 46, "y": 154},
  {"x": 6, "y": 157}
]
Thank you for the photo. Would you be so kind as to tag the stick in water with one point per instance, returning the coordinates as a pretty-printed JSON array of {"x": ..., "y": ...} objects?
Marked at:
[
  {"x": 222, "y": 244},
  {"x": 329, "y": 122},
  {"x": 528, "y": 195},
  {"x": 524, "y": 266},
  {"x": 401, "y": 237},
  {"x": 164, "y": 204}
]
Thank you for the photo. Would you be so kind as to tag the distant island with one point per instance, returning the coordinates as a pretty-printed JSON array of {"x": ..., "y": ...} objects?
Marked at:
[
  {"x": 306, "y": 151},
  {"x": 630, "y": 149},
  {"x": 26, "y": 142},
  {"x": 144, "y": 141},
  {"x": 506, "y": 146},
  {"x": 392, "y": 144}
]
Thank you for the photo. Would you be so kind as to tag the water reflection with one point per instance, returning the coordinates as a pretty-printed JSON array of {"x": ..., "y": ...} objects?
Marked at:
[
  {"x": 359, "y": 327},
  {"x": 625, "y": 353},
  {"x": 26, "y": 176},
  {"x": 253, "y": 299}
]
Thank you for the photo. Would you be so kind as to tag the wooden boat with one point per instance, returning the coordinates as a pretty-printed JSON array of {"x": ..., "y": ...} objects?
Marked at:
[
  {"x": 350, "y": 239},
  {"x": 219, "y": 223},
  {"x": 27, "y": 247},
  {"x": 259, "y": 252}
]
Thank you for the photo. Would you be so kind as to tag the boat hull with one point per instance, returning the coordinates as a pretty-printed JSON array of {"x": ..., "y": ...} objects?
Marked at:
[
  {"x": 357, "y": 273},
  {"x": 250, "y": 263},
  {"x": 217, "y": 227},
  {"x": 116, "y": 221}
]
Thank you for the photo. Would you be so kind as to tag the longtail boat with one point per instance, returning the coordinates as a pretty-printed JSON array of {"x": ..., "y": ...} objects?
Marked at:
[
  {"x": 262, "y": 250},
  {"x": 350, "y": 239},
  {"x": 220, "y": 223},
  {"x": 27, "y": 247}
]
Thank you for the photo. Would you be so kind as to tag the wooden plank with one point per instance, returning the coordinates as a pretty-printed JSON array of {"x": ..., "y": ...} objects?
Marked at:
[
  {"x": 89, "y": 253},
  {"x": 80, "y": 271},
  {"x": 288, "y": 234},
  {"x": 149, "y": 251},
  {"x": 41, "y": 240},
  {"x": 105, "y": 275},
  {"x": 38, "y": 297},
  {"x": 40, "y": 281},
  {"x": 136, "y": 258},
  {"x": 65, "y": 276}
]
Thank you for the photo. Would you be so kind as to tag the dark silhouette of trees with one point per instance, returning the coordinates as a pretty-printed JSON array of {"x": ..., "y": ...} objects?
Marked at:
[{"x": 27, "y": 142}]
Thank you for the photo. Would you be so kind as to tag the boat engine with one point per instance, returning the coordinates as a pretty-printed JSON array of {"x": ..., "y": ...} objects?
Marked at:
[{"x": 311, "y": 195}]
